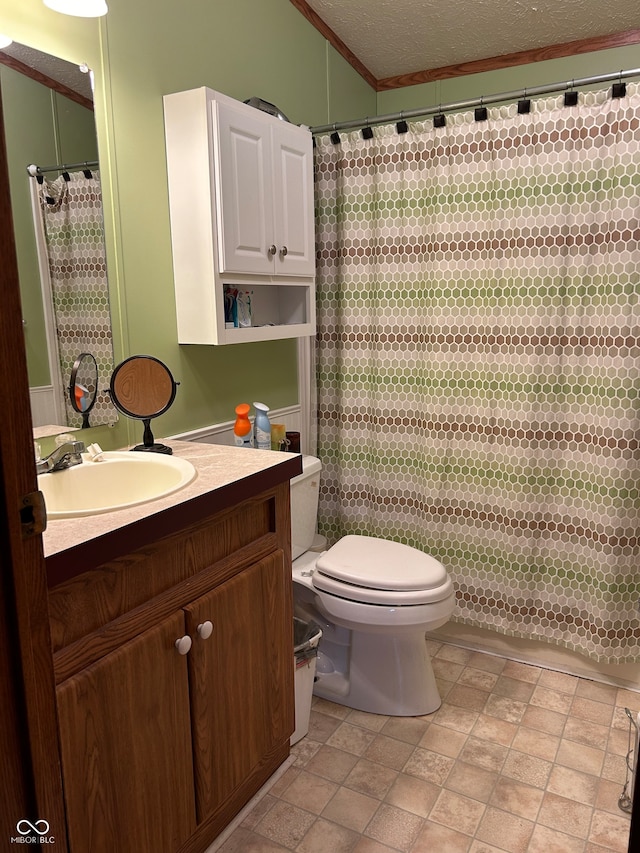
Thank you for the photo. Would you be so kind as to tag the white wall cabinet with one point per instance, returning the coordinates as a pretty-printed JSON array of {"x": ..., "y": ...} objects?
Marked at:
[{"x": 242, "y": 215}]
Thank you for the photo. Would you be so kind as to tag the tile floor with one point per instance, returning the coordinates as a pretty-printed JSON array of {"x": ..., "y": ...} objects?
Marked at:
[{"x": 518, "y": 759}]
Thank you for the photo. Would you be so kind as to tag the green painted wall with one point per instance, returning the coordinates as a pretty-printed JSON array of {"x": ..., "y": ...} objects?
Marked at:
[
  {"x": 509, "y": 79},
  {"x": 139, "y": 52},
  {"x": 45, "y": 128}
]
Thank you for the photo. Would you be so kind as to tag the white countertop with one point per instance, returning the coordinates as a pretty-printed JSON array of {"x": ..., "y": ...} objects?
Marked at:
[{"x": 216, "y": 465}]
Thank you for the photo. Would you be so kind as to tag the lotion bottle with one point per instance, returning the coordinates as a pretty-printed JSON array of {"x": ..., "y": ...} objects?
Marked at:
[
  {"x": 262, "y": 427},
  {"x": 242, "y": 427}
]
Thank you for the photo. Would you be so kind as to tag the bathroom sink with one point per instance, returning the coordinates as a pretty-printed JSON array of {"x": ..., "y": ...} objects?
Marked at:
[{"x": 120, "y": 479}]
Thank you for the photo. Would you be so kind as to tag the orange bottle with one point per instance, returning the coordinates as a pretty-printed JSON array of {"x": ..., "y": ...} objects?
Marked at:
[{"x": 242, "y": 427}]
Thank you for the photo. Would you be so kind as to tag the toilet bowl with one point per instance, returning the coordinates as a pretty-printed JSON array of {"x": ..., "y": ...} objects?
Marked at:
[{"x": 374, "y": 600}]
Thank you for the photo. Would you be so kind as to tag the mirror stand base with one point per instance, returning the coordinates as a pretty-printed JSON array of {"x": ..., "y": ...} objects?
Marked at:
[{"x": 154, "y": 448}]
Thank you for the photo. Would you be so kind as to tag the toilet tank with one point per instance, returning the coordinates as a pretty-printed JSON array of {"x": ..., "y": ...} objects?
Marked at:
[{"x": 305, "y": 489}]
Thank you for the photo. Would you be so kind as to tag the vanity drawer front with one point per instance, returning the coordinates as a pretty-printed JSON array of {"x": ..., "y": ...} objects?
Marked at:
[{"x": 215, "y": 549}]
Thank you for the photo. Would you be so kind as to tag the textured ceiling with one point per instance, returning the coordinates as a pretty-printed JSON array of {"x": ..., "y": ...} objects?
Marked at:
[
  {"x": 57, "y": 69},
  {"x": 397, "y": 37}
]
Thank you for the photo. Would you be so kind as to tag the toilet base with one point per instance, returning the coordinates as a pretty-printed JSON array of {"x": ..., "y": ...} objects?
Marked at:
[{"x": 386, "y": 675}]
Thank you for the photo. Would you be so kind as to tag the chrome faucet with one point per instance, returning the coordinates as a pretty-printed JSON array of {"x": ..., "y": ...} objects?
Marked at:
[{"x": 62, "y": 457}]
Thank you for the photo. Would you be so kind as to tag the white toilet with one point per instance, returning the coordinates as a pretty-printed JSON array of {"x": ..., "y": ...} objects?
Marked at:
[{"x": 374, "y": 600}]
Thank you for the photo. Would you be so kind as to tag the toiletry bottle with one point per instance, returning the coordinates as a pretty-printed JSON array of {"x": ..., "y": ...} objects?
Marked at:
[
  {"x": 262, "y": 427},
  {"x": 242, "y": 427}
]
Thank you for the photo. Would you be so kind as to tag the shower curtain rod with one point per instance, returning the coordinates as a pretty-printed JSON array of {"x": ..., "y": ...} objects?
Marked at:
[
  {"x": 457, "y": 106},
  {"x": 34, "y": 170}
]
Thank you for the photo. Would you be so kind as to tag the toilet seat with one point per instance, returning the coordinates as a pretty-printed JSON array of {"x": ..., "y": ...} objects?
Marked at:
[{"x": 378, "y": 571}]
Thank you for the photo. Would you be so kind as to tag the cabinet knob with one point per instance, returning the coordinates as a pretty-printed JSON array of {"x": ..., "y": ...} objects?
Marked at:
[
  {"x": 205, "y": 630},
  {"x": 183, "y": 644},
  {"x": 284, "y": 251},
  {"x": 272, "y": 250}
]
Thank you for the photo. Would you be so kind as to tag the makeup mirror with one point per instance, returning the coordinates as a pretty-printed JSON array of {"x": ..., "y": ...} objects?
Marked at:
[
  {"x": 142, "y": 387},
  {"x": 83, "y": 386}
]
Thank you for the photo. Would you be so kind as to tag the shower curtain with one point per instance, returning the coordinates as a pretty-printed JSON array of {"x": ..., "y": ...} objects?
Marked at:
[
  {"x": 477, "y": 359},
  {"x": 71, "y": 211}
]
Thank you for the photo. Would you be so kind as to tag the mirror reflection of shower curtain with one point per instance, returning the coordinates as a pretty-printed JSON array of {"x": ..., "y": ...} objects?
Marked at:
[{"x": 70, "y": 238}]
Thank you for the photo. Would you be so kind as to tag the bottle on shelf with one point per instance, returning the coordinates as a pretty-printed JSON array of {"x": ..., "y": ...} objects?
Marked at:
[
  {"x": 242, "y": 427},
  {"x": 262, "y": 427}
]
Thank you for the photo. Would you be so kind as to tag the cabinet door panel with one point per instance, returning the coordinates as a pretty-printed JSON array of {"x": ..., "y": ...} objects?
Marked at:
[
  {"x": 241, "y": 677},
  {"x": 245, "y": 207},
  {"x": 126, "y": 748},
  {"x": 293, "y": 194}
]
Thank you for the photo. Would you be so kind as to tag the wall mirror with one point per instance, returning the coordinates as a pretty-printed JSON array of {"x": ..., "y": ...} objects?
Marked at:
[{"x": 57, "y": 213}]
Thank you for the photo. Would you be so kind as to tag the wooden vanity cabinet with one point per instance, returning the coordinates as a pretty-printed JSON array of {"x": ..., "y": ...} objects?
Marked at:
[{"x": 162, "y": 744}]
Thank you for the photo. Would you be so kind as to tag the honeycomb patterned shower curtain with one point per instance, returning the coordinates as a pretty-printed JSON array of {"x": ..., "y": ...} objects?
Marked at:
[
  {"x": 72, "y": 218},
  {"x": 477, "y": 359}
]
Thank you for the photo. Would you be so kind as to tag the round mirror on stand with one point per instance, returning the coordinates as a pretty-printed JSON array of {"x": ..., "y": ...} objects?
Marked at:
[
  {"x": 142, "y": 387},
  {"x": 83, "y": 386}
]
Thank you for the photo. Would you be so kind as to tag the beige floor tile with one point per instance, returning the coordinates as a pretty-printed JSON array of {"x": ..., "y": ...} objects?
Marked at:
[
  {"x": 583, "y": 758},
  {"x": 245, "y": 841},
  {"x": 574, "y": 785},
  {"x": 285, "y": 824},
  {"x": 494, "y": 729},
  {"x": 558, "y": 681},
  {"x": 446, "y": 670},
  {"x": 608, "y": 795},
  {"x": 326, "y": 837},
  {"x": 478, "y": 678},
  {"x": 483, "y": 753},
  {"x": 452, "y": 717},
  {"x": 395, "y": 827},
  {"x": 628, "y": 699},
  {"x": 350, "y": 809},
  {"x": 522, "y": 671},
  {"x": 373, "y": 722},
  {"x": 467, "y": 697},
  {"x": 413, "y": 794},
  {"x": 487, "y": 663},
  {"x": 618, "y": 742},
  {"x": 587, "y": 733},
  {"x": 504, "y": 708},
  {"x": 614, "y": 768},
  {"x": 592, "y": 711},
  {"x": 332, "y": 763},
  {"x": 435, "y": 838},
  {"x": 454, "y": 653},
  {"x": 368, "y": 845},
  {"x": 510, "y": 832},
  {"x": 471, "y": 781},
  {"x": 552, "y": 700},
  {"x": 371, "y": 778},
  {"x": 304, "y": 751},
  {"x": 322, "y": 726},
  {"x": 517, "y": 798},
  {"x": 351, "y": 738},
  {"x": 527, "y": 768},
  {"x": 389, "y": 751},
  {"x": 544, "y": 720},
  {"x": 565, "y": 815},
  {"x": 610, "y": 831},
  {"x": 512, "y": 688},
  {"x": 408, "y": 729},
  {"x": 533, "y": 742},
  {"x": 429, "y": 766},
  {"x": 546, "y": 840},
  {"x": 457, "y": 812},
  {"x": 598, "y": 692},
  {"x": 332, "y": 709},
  {"x": 443, "y": 740},
  {"x": 310, "y": 792},
  {"x": 259, "y": 811}
]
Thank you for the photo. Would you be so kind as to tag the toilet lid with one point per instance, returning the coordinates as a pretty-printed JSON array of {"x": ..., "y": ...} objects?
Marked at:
[{"x": 381, "y": 564}]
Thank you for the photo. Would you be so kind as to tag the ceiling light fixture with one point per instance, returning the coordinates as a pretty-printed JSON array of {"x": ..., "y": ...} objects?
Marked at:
[
  {"x": 5, "y": 41},
  {"x": 78, "y": 8}
]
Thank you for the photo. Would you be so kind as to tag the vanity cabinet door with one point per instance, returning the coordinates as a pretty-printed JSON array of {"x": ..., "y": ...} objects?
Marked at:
[
  {"x": 241, "y": 678},
  {"x": 126, "y": 748}
]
